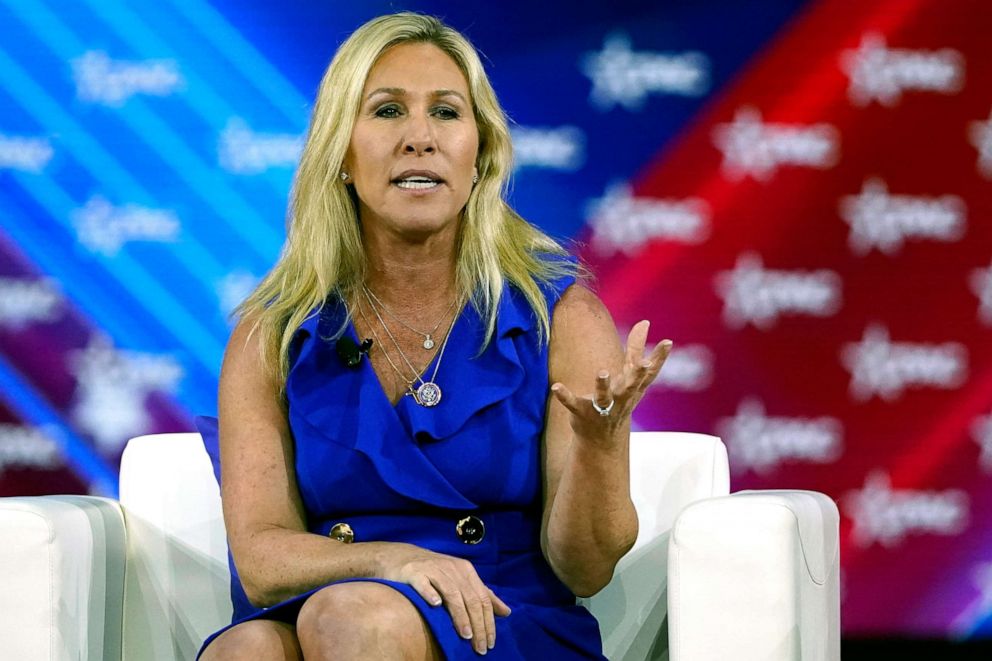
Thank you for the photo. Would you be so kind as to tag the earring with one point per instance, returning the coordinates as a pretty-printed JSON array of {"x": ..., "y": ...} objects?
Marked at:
[
  {"x": 344, "y": 176},
  {"x": 475, "y": 178}
]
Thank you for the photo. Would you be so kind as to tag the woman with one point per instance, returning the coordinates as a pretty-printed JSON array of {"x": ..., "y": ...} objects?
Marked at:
[{"x": 431, "y": 500}]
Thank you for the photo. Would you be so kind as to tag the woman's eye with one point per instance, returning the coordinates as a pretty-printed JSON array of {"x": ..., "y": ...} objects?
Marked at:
[
  {"x": 445, "y": 112},
  {"x": 387, "y": 111}
]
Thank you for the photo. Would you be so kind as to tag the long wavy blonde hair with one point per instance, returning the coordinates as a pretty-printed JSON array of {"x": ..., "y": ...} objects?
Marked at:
[{"x": 323, "y": 251}]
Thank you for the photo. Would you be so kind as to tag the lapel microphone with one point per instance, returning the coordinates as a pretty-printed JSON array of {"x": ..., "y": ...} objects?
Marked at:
[{"x": 349, "y": 353}]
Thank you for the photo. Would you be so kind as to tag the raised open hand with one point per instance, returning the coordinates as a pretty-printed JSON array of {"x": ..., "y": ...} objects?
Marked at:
[{"x": 597, "y": 415}]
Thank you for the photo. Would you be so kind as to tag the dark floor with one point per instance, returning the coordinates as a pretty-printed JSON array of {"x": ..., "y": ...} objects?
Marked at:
[{"x": 880, "y": 649}]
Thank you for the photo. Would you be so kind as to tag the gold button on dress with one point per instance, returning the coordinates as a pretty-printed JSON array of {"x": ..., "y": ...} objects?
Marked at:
[
  {"x": 470, "y": 529},
  {"x": 342, "y": 532}
]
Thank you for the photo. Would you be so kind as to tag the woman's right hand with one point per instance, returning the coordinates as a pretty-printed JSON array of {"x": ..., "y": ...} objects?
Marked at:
[{"x": 445, "y": 579}]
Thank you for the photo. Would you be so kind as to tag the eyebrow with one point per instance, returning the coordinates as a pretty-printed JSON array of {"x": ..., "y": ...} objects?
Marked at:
[{"x": 399, "y": 91}]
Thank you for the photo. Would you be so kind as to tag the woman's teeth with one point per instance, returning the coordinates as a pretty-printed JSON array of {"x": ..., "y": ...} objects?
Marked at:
[{"x": 417, "y": 184}]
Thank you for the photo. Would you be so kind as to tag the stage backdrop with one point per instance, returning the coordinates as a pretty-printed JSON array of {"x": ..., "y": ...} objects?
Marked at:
[{"x": 798, "y": 193}]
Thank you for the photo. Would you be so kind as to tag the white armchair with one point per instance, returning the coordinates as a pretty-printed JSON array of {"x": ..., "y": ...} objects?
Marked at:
[{"x": 749, "y": 576}]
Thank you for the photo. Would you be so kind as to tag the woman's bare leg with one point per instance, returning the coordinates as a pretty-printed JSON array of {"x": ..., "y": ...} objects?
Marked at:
[
  {"x": 265, "y": 640},
  {"x": 363, "y": 620}
]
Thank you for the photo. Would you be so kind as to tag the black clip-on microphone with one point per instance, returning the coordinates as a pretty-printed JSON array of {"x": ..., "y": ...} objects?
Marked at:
[{"x": 349, "y": 353}]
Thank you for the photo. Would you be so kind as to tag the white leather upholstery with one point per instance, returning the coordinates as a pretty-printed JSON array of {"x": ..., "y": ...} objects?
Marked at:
[
  {"x": 177, "y": 579},
  {"x": 755, "y": 576},
  {"x": 733, "y": 563},
  {"x": 62, "y": 578},
  {"x": 669, "y": 471}
]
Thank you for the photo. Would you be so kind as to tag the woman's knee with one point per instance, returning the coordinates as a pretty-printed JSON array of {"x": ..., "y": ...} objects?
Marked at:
[
  {"x": 256, "y": 639},
  {"x": 356, "y": 604},
  {"x": 363, "y": 613}
]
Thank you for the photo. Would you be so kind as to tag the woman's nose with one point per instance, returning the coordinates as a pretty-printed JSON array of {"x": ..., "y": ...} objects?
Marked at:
[{"x": 419, "y": 138}]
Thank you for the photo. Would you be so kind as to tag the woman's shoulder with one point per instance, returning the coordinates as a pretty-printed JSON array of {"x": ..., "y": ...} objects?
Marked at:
[
  {"x": 578, "y": 304},
  {"x": 558, "y": 272},
  {"x": 582, "y": 332}
]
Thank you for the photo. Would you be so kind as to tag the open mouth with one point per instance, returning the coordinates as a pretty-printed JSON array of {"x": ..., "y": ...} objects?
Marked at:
[{"x": 417, "y": 183}]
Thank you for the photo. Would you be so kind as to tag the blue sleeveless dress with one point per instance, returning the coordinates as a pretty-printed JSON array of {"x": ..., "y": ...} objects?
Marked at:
[{"x": 406, "y": 473}]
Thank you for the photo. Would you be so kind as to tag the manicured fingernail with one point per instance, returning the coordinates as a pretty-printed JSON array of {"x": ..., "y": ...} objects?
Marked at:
[
  {"x": 436, "y": 601},
  {"x": 667, "y": 343},
  {"x": 604, "y": 374},
  {"x": 555, "y": 388},
  {"x": 466, "y": 632},
  {"x": 492, "y": 643}
]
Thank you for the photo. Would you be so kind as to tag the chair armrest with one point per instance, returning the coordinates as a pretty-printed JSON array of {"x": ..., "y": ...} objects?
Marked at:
[
  {"x": 62, "y": 571},
  {"x": 631, "y": 610},
  {"x": 755, "y": 575}
]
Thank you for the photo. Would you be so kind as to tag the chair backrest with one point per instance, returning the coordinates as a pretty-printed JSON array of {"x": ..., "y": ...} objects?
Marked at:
[
  {"x": 177, "y": 578},
  {"x": 176, "y": 585},
  {"x": 669, "y": 470}
]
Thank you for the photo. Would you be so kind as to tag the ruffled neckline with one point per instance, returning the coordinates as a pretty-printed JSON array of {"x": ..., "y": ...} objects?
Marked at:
[{"x": 349, "y": 407}]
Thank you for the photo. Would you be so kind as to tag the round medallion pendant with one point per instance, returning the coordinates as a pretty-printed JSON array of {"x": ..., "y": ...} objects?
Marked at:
[
  {"x": 428, "y": 394},
  {"x": 429, "y": 343}
]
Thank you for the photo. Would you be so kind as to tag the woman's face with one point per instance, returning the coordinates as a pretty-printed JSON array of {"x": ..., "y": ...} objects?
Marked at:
[{"x": 413, "y": 150}]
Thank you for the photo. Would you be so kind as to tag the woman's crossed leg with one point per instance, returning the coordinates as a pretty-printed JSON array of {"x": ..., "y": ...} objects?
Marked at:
[{"x": 355, "y": 620}]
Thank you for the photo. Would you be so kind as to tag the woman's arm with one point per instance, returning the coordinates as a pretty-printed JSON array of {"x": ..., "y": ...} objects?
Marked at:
[
  {"x": 263, "y": 512},
  {"x": 589, "y": 520}
]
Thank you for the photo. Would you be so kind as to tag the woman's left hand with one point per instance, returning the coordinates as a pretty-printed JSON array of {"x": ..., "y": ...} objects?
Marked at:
[{"x": 597, "y": 416}]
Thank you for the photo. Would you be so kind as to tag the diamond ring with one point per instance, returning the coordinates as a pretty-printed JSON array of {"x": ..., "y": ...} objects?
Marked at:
[{"x": 604, "y": 410}]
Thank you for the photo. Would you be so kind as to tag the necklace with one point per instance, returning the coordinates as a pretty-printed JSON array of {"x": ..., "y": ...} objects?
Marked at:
[
  {"x": 428, "y": 393},
  {"x": 409, "y": 383},
  {"x": 428, "y": 339}
]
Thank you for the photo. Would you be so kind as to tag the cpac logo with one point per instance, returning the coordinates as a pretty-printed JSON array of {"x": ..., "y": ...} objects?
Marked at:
[
  {"x": 234, "y": 288},
  {"x": 753, "y": 148},
  {"x": 886, "y": 515},
  {"x": 759, "y": 442},
  {"x": 981, "y": 285},
  {"x": 560, "y": 148},
  {"x": 689, "y": 367},
  {"x": 622, "y": 76},
  {"x": 980, "y": 134},
  {"x": 27, "y": 154},
  {"x": 24, "y": 302},
  {"x": 623, "y": 222},
  {"x": 111, "y": 391},
  {"x": 755, "y": 295},
  {"x": 981, "y": 431},
  {"x": 242, "y": 151},
  {"x": 879, "y": 73},
  {"x": 103, "y": 228},
  {"x": 882, "y": 221},
  {"x": 102, "y": 80},
  {"x": 884, "y": 368},
  {"x": 27, "y": 447}
]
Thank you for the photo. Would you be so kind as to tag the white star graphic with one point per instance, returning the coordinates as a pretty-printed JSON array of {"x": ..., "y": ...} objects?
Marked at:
[{"x": 865, "y": 67}]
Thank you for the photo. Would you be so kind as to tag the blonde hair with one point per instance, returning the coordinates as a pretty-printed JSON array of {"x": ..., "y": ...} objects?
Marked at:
[{"x": 323, "y": 250}]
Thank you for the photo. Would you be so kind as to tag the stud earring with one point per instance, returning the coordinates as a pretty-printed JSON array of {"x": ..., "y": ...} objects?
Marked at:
[
  {"x": 475, "y": 178},
  {"x": 344, "y": 176}
]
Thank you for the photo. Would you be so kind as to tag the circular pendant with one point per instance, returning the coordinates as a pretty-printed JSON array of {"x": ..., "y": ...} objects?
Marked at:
[
  {"x": 428, "y": 394},
  {"x": 429, "y": 343}
]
